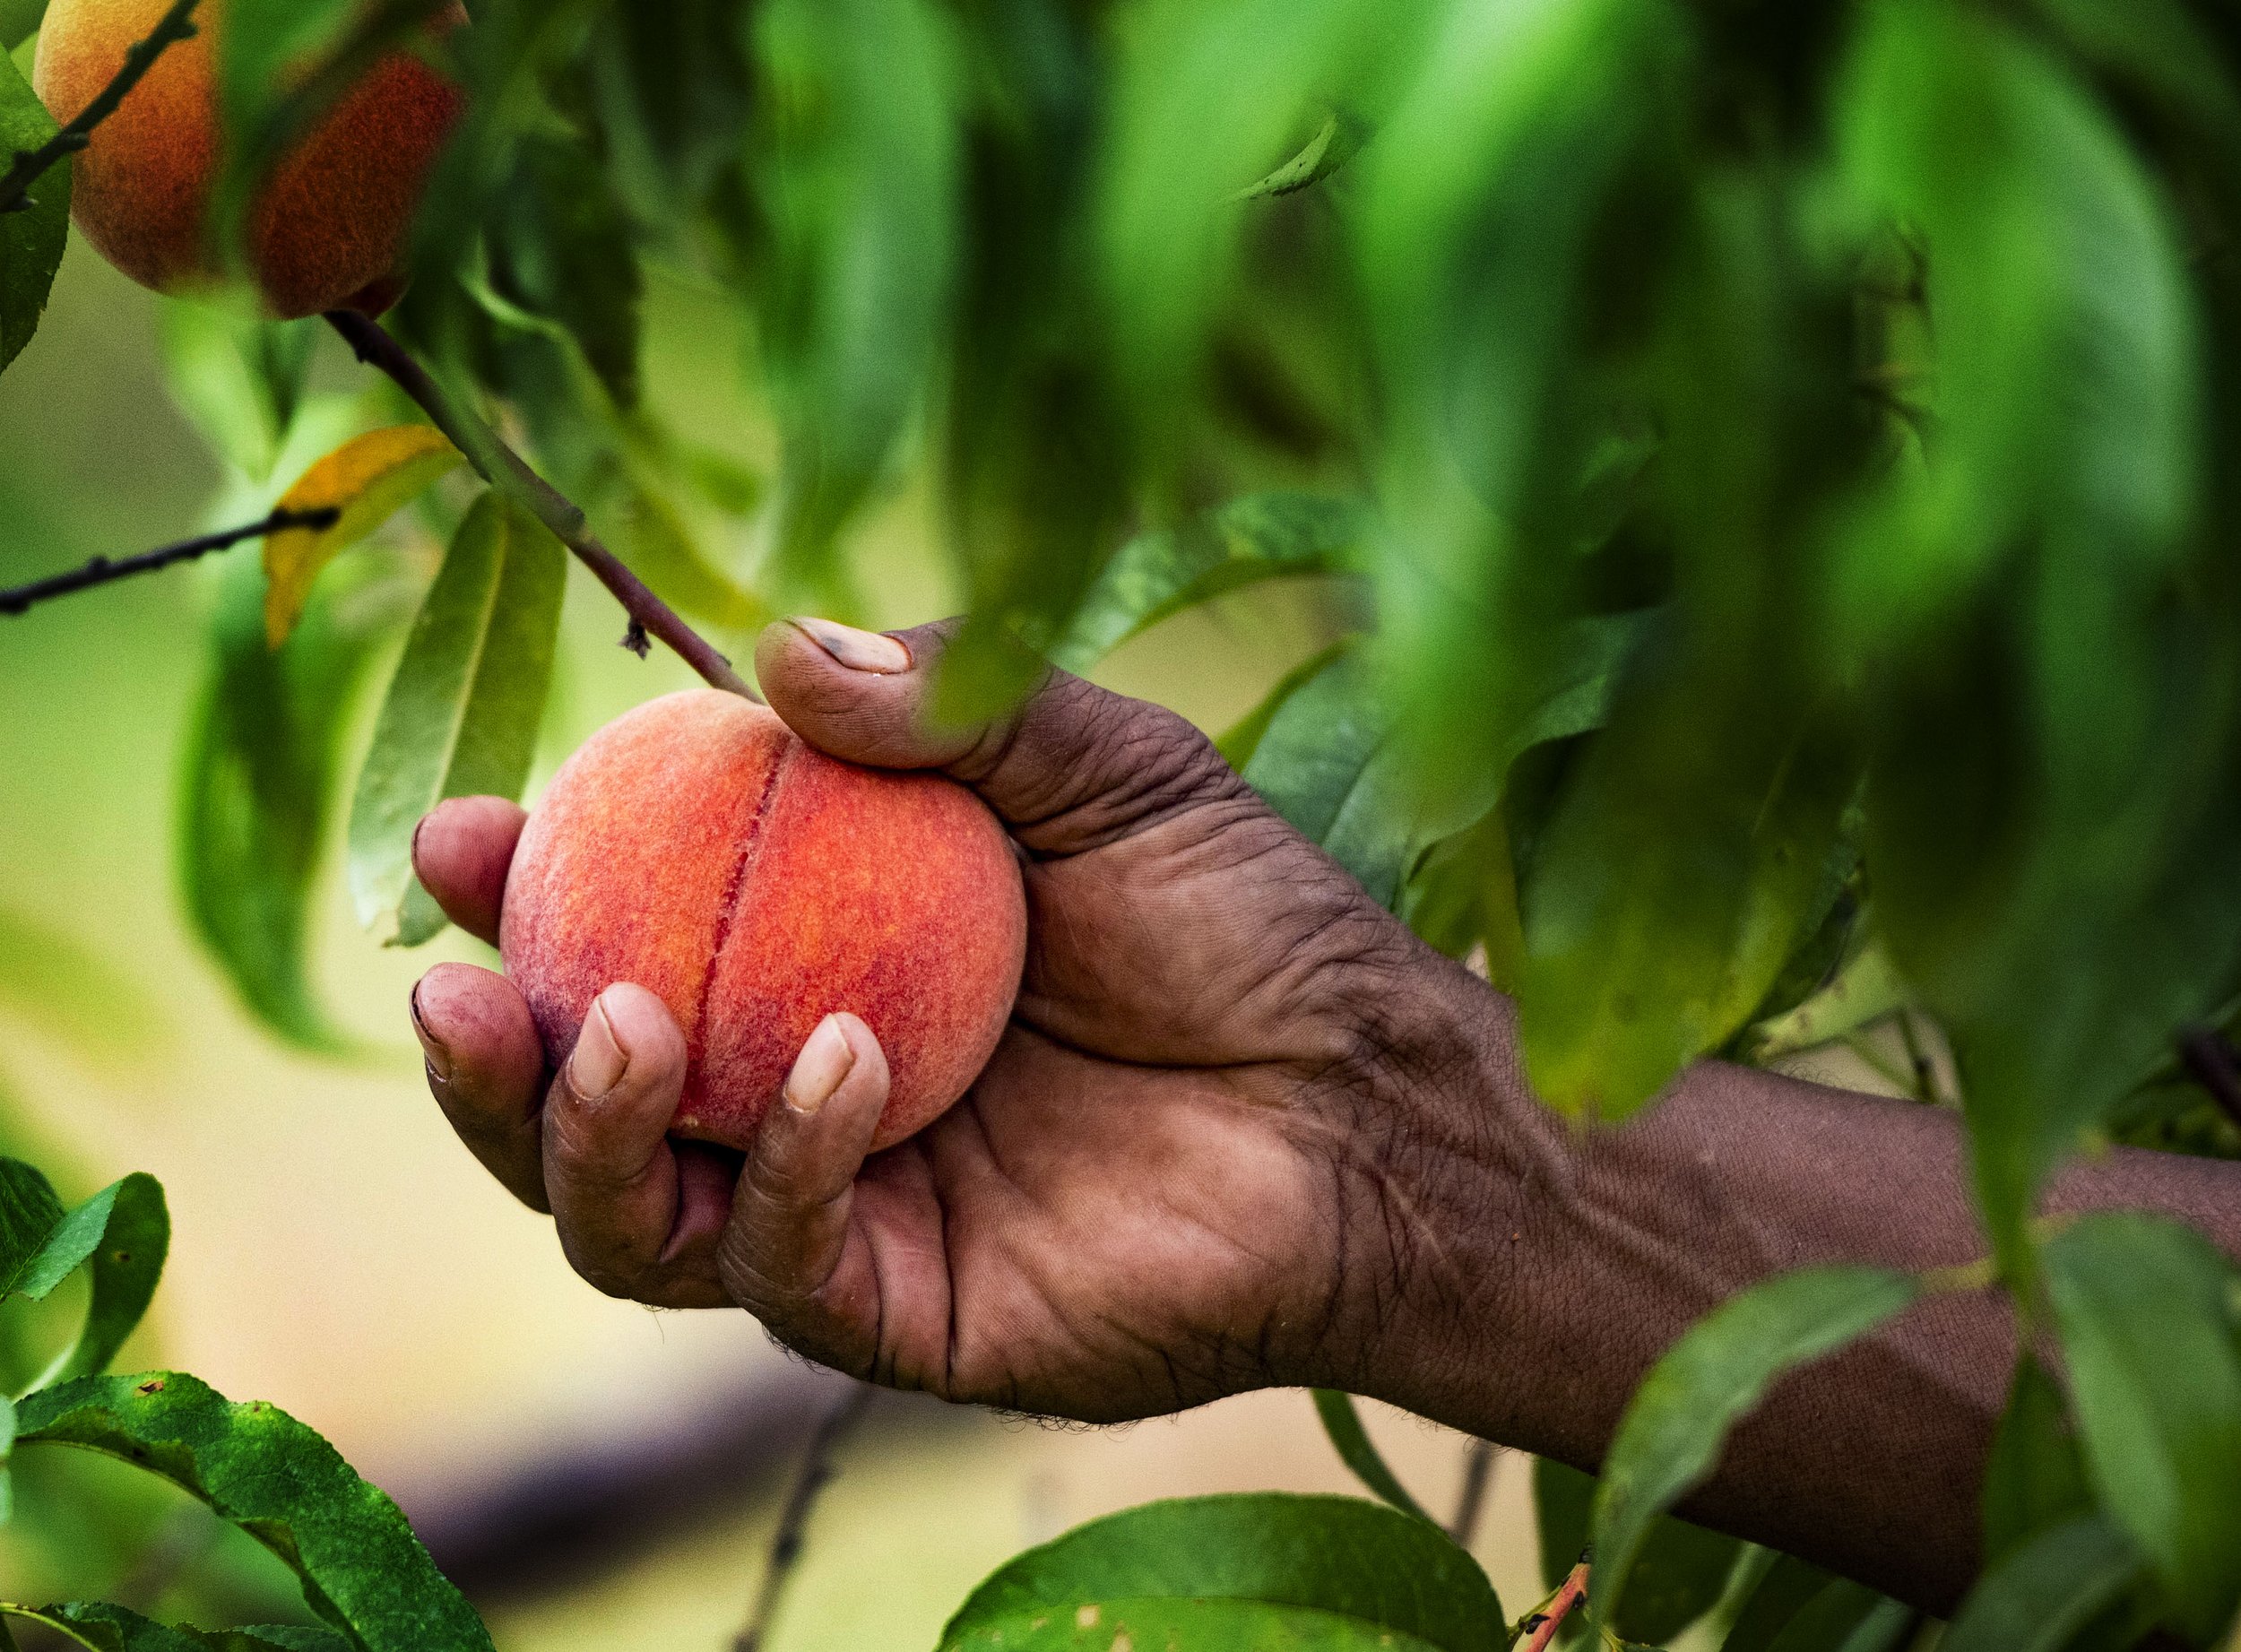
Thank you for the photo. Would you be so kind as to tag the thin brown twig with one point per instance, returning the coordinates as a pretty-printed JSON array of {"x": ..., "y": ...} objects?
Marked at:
[
  {"x": 793, "y": 1520},
  {"x": 102, "y": 571},
  {"x": 1478, "y": 1470},
  {"x": 1569, "y": 1598},
  {"x": 29, "y": 164},
  {"x": 506, "y": 470},
  {"x": 2210, "y": 1062}
]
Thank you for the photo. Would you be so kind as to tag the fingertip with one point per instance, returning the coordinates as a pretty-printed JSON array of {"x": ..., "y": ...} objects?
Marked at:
[
  {"x": 472, "y": 1021},
  {"x": 856, "y": 695},
  {"x": 630, "y": 1042},
  {"x": 461, "y": 852}
]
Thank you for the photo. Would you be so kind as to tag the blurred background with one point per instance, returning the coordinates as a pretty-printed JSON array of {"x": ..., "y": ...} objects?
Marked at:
[{"x": 593, "y": 1474}]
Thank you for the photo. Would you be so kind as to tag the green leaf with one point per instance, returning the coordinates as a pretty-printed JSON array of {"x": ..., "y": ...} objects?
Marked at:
[
  {"x": 859, "y": 176},
  {"x": 32, "y": 241},
  {"x": 2036, "y": 1477},
  {"x": 1336, "y": 143},
  {"x": 1342, "y": 1421},
  {"x": 1329, "y": 762},
  {"x": 2043, "y": 1594},
  {"x": 28, "y": 1214},
  {"x": 1343, "y": 1568},
  {"x": 2143, "y": 1308},
  {"x": 463, "y": 712},
  {"x": 1680, "y": 1573},
  {"x": 1241, "y": 742},
  {"x": 1843, "y": 1616},
  {"x": 260, "y": 779},
  {"x": 105, "y": 1628},
  {"x": 1674, "y": 1427},
  {"x": 362, "y": 1570},
  {"x": 125, "y": 1232},
  {"x": 1784, "y": 1590},
  {"x": 1182, "y": 1626},
  {"x": 559, "y": 249},
  {"x": 1250, "y": 539},
  {"x": 1864, "y": 991}
]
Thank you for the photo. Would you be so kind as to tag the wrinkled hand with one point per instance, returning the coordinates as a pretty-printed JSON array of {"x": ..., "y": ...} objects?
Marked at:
[{"x": 1171, "y": 1181}]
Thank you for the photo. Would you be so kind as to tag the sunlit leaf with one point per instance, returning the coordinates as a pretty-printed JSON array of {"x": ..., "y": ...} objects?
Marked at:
[
  {"x": 1334, "y": 144},
  {"x": 1677, "y": 1423},
  {"x": 239, "y": 376},
  {"x": 1331, "y": 1571},
  {"x": 463, "y": 712},
  {"x": 368, "y": 480},
  {"x": 2143, "y": 1307},
  {"x": 1342, "y": 1421},
  {"x": 1865, "y": 990},
  {"x": 361, "y": 1568},
  {"x": 2039, "y": 1598},
  {"x": 1249, "y": 540},
  {"x": 32, "y": 241}
]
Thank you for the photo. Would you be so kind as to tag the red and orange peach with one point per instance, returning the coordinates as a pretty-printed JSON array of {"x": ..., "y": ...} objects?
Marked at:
[{"x": 699, "y": 849}]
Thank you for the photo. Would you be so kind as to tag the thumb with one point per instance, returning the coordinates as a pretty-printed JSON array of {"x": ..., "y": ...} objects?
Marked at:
[{"x": 1072, "y": 766}]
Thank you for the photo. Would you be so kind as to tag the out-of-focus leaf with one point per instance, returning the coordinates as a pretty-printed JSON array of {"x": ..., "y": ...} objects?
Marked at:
[
  {"x": 560, "y": 247},
  {"x": 859, "y": 176},
  {"x": 1335, "y": 143},
  {"x": 1463, "y": 894},
  {"x": 1182, "y": 1626},
  {"x": 32, "y": 241},
  {"x": 1342, "y": 1421},
  {"x": 1261, "y": 537},
  {"x": 1678, "y": 1421},
  {"x": 669, "y": 556},
  {"x": 49, "y": 979},
  {"x": 260, "y": 779},
  {"x": 19, "y": 21},
  {"x": 1843, "y": 1616},
  {"x": 673, "y": 87},
  {"x": 1326, "y": 760},
  {"x": 369, "y": 478},
  {"x": 125, "y": 1232},
  {"x": 1661, "y": 909},
  {"x": 1340, "y": 1571},
  {"x": 237, "y": 376},
  {"x": 1680, "y": 1573},
  {"x": 1784, "y": 1590},
  {"x": 2143, "y": 1308},
  {"x": 1482, "y": 202},
  {"x": 1868, "y": 989},
  {"x": 2042, "y": 1595},
  {"x": 463, "y": 712},
  {"x": 362, "y": 1569},
  {"x": 2036, "y": 1478},
  {"x": 2041, "y": 836},
  {"x": 113, "y": 1629}
]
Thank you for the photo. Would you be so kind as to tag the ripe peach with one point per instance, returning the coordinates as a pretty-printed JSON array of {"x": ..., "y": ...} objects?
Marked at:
[
  {"x": 696, "y": 847},
  {"x": 330, "y": 226}
]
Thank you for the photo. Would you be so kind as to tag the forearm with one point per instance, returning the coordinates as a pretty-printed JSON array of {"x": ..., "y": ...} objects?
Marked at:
[{"x": 1544, "y": 1269}]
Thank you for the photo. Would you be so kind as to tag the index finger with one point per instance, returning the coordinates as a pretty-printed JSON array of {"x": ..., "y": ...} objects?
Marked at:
[{"x": 461, "y": 851}]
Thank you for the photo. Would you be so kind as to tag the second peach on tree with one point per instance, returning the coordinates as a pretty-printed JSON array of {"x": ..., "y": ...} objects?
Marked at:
[{"x": 697, "y": 848}]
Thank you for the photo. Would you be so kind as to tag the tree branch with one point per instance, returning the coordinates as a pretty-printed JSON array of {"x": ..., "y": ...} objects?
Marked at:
[
  {"x": 102, "y": 571},
  {"x": 793, "y": 1520},
  {"x": 1542, "y": 1625},
  {"x": 176, "y": 24},
  {"x": 506, "y": 470}
]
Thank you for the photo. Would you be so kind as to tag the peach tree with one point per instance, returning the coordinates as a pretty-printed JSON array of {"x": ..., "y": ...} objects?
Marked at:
[{"x": 1771, "y": 452}]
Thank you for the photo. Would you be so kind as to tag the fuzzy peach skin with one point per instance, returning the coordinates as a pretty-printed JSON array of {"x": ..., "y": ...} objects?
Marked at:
[
  {"x": 328, "y": 229},
  {"x": 697, "y": 848}
]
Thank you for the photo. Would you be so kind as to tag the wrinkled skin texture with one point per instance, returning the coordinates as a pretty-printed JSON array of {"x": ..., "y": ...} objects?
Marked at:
[{"x": 1245, "y": 1130}]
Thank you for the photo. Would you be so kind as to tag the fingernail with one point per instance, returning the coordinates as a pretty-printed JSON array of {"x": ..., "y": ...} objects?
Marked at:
[
  {"x": 818, "y": 1071},
  {"x": 859, "y": 651},
  {"x": 431, "y": 1046},
  {"x": 596, "y": 1065}
]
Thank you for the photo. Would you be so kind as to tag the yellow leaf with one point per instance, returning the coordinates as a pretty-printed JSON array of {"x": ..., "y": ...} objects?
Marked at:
[{"x": 368, "y": 480}]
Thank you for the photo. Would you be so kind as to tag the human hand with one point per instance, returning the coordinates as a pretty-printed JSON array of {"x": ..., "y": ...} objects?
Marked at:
[{"x": 1165, "y": 1186}]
